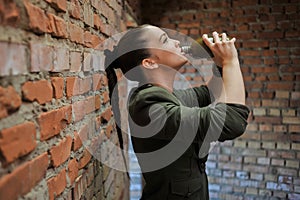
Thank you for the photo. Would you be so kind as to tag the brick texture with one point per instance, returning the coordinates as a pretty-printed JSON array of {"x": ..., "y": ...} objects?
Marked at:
[
  {"x": 17, "y": 141},
  {"x": 263, "y": 160},
  {"x": 10, "y": 101},
  {"x": 23, "y": 178},
  {"x": 53, "y": 93},
  {"x": 41, "y": 91},
  {"x": 57, "y": 184}
]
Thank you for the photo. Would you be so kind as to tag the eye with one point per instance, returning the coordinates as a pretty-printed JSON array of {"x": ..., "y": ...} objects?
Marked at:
[{"x": 165, "y": 39}]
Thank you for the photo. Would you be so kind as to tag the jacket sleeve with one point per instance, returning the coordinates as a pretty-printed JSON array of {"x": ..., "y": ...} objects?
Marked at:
[
  {"x": 196, "y": 96},
  {"x": 160, "y": 116}
]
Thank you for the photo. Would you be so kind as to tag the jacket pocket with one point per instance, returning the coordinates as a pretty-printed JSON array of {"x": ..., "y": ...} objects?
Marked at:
[{"x": 186, "y": 188}]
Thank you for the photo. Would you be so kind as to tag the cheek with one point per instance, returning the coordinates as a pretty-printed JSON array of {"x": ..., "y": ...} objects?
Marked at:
[{"x": 176, "y": 61}]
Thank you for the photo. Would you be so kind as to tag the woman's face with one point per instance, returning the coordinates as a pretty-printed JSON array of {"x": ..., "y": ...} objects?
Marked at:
[{"x": 164, "y": 50}]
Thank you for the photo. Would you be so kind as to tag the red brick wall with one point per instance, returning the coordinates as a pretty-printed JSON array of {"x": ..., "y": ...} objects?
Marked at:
[
  {"x": 53, "y": 95},
  {"x": 264, "y": 162}
]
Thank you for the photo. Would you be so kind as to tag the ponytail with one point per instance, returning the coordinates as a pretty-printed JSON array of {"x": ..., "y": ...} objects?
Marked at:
[{"x": 110, "y": 66}]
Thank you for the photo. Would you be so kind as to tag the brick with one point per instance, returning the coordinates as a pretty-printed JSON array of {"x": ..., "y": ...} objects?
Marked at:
[
  {"x": 274, "y": 112},
  {"x": 57, "y": 184},
  {"x": 256, "y": 176},
  {"x": 255, "y": 168},
  {"x": 58, "y": 26},
  {"x": 106, "y": 115},
  {"x": 79, "y": 188},
  {"x": 296, "y": 146},
  {"x": 280, "y": 128},
  {"x": 97, "y": 82},
  {"x": 77, "y": 86},
  {"x": 75, "y": 33},
  {"x": 17, "y": 141},
  {"x": 263, "y": 161},
  {"x": 292, "y": 195},
  {"x": 88, "y": 16},
  {"x": 79, "y": 110},
  {"x": 98, "y": 122},
  {"x": 278, "y": 186},
  {"x": 85, "y": 159},
  {"x": 97, "y": 102},
  {"x": 12, "y": 59},
  {"x": 108, "y": 130},
  {"x": 105, "y": 96},
  {"x": 61, "y": 152},
  {"x": 252, "y": 191},
  {"x": 58, "y": 86},
  {"x": 292, "y": 164},
  {"x": 265, "y": 127},
  {"x": 80, "y": 137},
  {"x": 61, "y": 59},
  {"x": 10, "y": 14},
  {"x": 282, "y": 145},
  {"x": 98, "y": 61},
  {"x": 239, "y": 143},
  {"x": 259, "y": 111},
  {"x": 272, "y": 120},
  {"x": 41, "y": 91},
  {"x": 254, "y": 144},
  {"x": 91, "y": 174},
  {"x": 60, "y": 5},
  {"x": 90, "y": 104},
  {"x": 77, "y": 143},
  {"x": 294, "y": 103},
  {"x": 91, "y": 40},
  {"x": 38, "y": 21},
  {"x": 98, "y": 23},
  {"x": 252, "y": 127},
  {"x": 74, "y": 9},
  {"x": 22, "y": 179},
  {"x": 275, "y": 103},
  {"x": 75, "y": 61},
  {"x": 3, "y": 112},
  {"x": 282, "y": 154},
  {"x": 10, "y": 101},
  {"x": 229, "y": 166},
  {"x": 87, "y": 62},
  {"x": 52, "y": 122},
  {"x": 295, "y": 95},
  {"x": 291, "y": 120},
  {"x": 255, "y": 44},
  {"x": 282, "y": 94},
  {"x": 268, "y": 145},
  {"x": 280, "y": 86},
  {"x": 287, "y": 171},
  {"x": 72, "y": 170},
  {"x": 41, "y": 57},
  {"x": 288, "y": 112}
]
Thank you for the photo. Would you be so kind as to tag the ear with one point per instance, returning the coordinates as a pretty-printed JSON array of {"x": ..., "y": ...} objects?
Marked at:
[{"x": 149, "y": 63}]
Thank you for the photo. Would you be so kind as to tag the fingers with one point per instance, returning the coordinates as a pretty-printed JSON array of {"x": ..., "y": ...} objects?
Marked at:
[
  {"x": 224, "y": 37},
  {"x": 217, "y": 38},
  {"x": 206, "y": 40}
]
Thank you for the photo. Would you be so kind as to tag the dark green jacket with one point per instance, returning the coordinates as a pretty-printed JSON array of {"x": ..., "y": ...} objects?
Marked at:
[{"x": 171, "y": 133}]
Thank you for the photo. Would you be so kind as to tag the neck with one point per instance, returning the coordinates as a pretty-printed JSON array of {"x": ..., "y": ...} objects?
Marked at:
[{"x": 162, "y": 79}]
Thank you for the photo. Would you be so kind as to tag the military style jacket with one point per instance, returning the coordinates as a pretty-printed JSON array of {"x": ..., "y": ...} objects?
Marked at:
[{"x": 171, "y": 133}]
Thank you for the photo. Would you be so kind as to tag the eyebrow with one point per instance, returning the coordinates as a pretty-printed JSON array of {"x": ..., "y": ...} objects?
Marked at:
[{"x": 164, "y": 34}]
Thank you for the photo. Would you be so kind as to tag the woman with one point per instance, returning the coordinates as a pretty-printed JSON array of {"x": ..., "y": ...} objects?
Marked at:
[{"x": 171, "y": 129}]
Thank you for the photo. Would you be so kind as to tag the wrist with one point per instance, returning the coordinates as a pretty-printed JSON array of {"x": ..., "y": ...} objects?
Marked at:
[{"x": 232, "y": 63}]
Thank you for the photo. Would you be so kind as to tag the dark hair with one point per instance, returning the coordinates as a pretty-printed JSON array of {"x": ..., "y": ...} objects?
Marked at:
[{"x": 125, "y": 59}]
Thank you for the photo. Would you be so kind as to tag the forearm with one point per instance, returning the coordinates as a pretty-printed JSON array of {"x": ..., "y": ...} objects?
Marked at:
[
  {"x": 233, "y": 82},
  {"x": 216, "y": 86}
]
